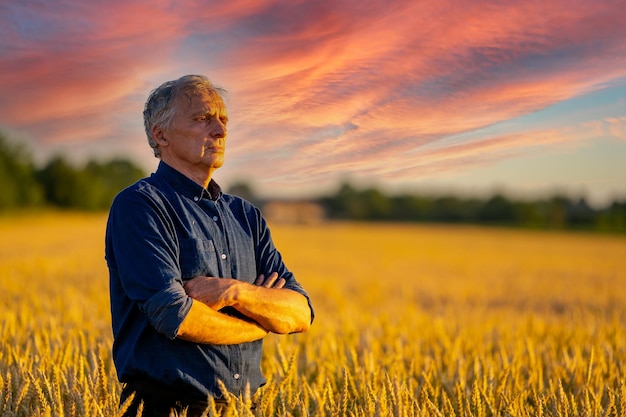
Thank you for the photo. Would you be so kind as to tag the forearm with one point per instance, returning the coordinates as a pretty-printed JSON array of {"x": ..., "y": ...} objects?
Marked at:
[
  {"x": 278, "y": 310},
  {"x": 205, "y": 325}
]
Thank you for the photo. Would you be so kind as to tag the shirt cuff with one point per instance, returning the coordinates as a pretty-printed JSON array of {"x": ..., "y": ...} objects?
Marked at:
[{"x": 167, "y": 309}]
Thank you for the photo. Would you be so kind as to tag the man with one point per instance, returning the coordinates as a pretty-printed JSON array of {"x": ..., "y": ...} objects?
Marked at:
[{"x": 195, "y": 279}]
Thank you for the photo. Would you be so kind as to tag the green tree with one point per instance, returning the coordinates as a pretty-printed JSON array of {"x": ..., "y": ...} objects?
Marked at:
[
  {"x": 90, "y": 188},
  {"x": 454, "y": 210},
  {"x": 498, "y": 209},
  {"x": 244, "y": 190},
  {"x": 62, "y": 183},
  {"x": 612, "y": 219},
  {"x": 107, "y": 179},
  {"x": 376, "y": 204},
  {"x": 530, "y": 214},
  {"x": 17, "y": 176},
  {"x": 345, "y": 204},
  {"x": 557, "y": 212}
]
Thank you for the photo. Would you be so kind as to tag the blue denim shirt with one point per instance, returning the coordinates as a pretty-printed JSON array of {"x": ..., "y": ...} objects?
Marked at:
[{"x": 164, "y": 230}]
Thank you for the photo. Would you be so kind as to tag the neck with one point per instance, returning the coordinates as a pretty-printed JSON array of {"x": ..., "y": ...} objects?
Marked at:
[{"x": 199, "y": 175}]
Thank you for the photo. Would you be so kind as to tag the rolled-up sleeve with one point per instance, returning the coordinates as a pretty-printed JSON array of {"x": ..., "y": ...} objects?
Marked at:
[
  {"x": 167, "y": 309},
  {"x": 143, "y": 251}
]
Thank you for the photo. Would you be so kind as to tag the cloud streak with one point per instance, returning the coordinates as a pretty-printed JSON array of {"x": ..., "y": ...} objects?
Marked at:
[{"x": 319, "y": 88}]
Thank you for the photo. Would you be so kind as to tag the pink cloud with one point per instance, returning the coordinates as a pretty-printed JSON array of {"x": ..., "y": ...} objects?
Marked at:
[
  {"x": 71, "y": 70},
  {"x": 614, "y": 127},
  {"x": 392, "y": 71},
  {"x": 399, "y": 161},
  {"x": 317, "y": 87},
  {"x": 430, "y": 73}
]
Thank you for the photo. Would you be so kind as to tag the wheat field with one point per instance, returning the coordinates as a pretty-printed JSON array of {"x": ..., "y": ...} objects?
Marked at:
[{"x": 411, "y": 320}]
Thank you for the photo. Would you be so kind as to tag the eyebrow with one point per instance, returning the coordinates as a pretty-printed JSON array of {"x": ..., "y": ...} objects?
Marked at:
[{"x": 219, "y": 113}]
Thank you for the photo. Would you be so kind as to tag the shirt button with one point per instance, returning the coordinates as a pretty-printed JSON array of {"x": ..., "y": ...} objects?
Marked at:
[
  {"x": 215, "y": 218},
  {"x": 236, "y": 376},
  {"x": 223, "y": 256},
  {"x": 196, "y": 198}
]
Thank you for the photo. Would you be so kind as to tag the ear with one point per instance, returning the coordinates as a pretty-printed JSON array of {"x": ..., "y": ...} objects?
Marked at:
[{"x": 158, "y": 134}]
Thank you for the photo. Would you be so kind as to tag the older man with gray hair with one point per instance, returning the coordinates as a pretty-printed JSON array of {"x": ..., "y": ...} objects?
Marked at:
[{"x": 195, "y": 279}]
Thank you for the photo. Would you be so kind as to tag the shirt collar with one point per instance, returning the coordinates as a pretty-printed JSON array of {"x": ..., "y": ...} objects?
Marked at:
[{"x": 186, "y": 186}]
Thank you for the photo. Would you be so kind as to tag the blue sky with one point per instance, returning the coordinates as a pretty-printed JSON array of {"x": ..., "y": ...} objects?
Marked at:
[{"x": 450, "y": 96}]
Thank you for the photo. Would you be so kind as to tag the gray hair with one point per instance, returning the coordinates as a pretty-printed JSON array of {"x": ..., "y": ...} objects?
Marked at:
[{"x": 160, "y": 107}]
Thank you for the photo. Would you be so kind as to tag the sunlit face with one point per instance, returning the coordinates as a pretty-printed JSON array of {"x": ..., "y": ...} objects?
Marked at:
[{"x": 196, "y": 138}]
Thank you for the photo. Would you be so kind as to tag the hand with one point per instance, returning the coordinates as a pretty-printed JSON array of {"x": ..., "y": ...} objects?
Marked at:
[
  {"x": 212, "y": 291},
  {"x": 270, "y": 282},
  {"x": 216, "y": 292}
]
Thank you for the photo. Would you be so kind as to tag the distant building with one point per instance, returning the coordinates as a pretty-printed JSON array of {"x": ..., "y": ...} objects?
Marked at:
[{"x": 293, "y": 212}]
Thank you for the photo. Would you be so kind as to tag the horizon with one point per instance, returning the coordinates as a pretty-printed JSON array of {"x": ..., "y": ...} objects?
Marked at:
[{"x": 434, "y": 192}]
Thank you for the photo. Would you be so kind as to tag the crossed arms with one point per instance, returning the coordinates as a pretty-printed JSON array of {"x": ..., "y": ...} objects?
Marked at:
[{"x": 267, "y": 306}]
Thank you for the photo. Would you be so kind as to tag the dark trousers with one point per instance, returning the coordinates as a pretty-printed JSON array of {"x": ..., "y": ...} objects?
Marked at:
[{"x": 163, "y": 401}]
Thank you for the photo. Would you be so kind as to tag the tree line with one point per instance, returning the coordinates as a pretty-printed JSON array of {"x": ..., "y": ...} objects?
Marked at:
[
  {"x": 556, "y": 212},
  {"x": 59, "y": 183}
]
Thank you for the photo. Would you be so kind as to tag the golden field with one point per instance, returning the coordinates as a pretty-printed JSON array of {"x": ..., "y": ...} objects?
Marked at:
[{"x": 411, "y": 320}]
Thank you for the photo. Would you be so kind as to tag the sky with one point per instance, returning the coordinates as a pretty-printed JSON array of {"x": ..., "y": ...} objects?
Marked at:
[{"x": 474, "y": 97}]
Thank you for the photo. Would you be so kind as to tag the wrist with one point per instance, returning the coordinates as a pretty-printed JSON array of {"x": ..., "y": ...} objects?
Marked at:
[
  {"x": 233, "y": 293},
  {"x": 239, "y": 292}
]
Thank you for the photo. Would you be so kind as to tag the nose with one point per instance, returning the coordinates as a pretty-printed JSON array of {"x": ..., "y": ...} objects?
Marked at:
[{"x": 218, "y": 128}]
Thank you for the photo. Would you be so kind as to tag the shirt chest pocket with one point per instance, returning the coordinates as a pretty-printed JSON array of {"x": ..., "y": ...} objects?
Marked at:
[{"x": 197, "y": 257}]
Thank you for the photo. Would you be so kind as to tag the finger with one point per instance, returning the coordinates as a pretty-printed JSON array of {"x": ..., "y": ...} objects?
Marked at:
[
  {"x": 259, "y": 280},
  {"x": 269, "y": 282},
  {"x": 280, "y": 283}
]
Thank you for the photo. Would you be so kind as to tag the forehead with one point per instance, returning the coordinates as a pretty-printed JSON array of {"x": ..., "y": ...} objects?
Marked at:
[{"x": 199, "y": 101}]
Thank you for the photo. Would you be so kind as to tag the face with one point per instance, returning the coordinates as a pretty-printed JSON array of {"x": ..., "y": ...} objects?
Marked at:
[{"x": 194, "y": 142}]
